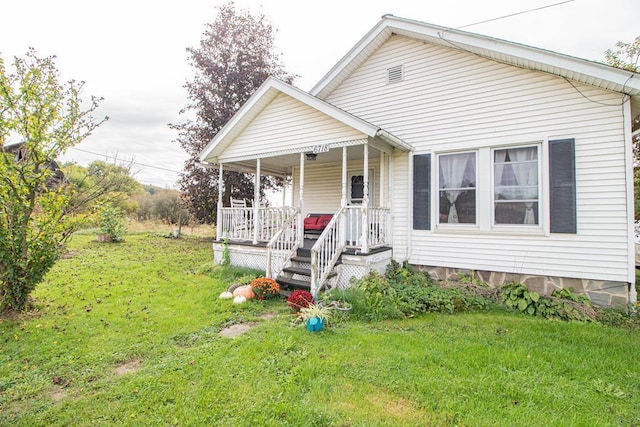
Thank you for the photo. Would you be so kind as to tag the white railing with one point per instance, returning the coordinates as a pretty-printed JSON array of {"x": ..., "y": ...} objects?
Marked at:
[
  {"x": 282, "y": 246},
  {"x": 239, "y": 224},
  {"x": 377, "y": 226},
  {"x": 326, "y": 251},
  {"x": 270, "y": 220}
]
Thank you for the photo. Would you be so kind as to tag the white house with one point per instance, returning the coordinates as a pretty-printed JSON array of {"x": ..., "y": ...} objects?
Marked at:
[{"x": 450, "y": 150}]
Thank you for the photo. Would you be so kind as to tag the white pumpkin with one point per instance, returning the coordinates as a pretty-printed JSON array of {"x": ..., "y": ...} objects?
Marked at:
[
  {"x": 239, "y": 299},
  {"x": 226, "y": 295}
]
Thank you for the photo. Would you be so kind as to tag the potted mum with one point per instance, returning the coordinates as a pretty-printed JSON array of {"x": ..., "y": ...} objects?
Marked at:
[{"x": 315, "y": 317}]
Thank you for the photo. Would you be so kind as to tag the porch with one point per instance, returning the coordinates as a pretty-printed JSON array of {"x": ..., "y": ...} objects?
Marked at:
[
  {"x": 272, "y": 238},
  {"x": 337, "y": 163}
]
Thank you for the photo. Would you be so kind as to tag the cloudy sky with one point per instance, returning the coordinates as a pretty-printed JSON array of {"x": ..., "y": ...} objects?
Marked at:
[{"x": 132, "y": 52}]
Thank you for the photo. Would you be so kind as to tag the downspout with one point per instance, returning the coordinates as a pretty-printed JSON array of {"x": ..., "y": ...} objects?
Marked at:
[
  {"x": 409, "y": 204},
  {"x": 628, "y": 153}
]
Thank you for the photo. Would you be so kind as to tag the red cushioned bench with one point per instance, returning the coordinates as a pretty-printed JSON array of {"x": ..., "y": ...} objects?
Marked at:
[{"x": 314, "y": 224}]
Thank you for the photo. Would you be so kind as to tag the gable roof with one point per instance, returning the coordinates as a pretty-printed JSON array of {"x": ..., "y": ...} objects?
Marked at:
[
  {"x": 519, "y": 55},
  {"x": 265, "y": 94}
]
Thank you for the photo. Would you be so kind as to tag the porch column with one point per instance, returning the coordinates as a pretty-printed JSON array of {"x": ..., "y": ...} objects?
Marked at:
[
  {"x": 301, "y": 203},
  {"x": 219, "y": 213},
  {"x": 343, "y": 200},
  {"x": 256, "y": 203},
  {"x": 365, "y": 202}
]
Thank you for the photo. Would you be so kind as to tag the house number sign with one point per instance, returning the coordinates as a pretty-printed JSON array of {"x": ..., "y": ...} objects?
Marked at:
[{"x": 320, "y": 148}]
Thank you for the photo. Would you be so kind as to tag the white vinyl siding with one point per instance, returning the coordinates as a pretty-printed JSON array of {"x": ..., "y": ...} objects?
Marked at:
[
  {"x": 273, "y": 130},
  {"x": 323, "y": 185},
  {"x": 450, "y": 100}
]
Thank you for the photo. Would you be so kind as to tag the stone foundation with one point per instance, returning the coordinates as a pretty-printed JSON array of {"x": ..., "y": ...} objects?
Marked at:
[{"x": 600, "y": 292}]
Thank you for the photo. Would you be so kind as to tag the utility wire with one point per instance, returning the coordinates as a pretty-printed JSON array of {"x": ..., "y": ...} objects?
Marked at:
[
  {"x": 132, "y": 162},
  {"x": 516, "y": 14}
]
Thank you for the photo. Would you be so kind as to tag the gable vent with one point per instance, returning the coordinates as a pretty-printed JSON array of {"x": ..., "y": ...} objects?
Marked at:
[{"x": 394, "y": 74}]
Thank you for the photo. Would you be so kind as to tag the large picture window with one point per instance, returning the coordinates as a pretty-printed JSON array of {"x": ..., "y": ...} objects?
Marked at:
[
  {"x": 457, "y": 188},
  {"x": 516, "y": 190}
]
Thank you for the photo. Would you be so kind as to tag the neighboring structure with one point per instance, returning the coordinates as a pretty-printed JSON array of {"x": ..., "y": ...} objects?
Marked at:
[
  {"x": 451, "y": 150},
  {"x": 19, "y": 151}
]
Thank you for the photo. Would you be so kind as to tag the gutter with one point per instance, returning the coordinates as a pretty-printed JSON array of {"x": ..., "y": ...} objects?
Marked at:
[{"x": 396, "y": 142}]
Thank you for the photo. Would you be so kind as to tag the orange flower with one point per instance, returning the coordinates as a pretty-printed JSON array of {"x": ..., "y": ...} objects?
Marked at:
[{"x": 265, "y": 288}]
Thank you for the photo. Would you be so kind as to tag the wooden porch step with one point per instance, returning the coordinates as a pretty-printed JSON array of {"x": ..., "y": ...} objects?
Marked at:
[
  {"x": 298, "y": 270},
  {"x": 288, "y": 283},
  {"x": 307, "y": 260}
]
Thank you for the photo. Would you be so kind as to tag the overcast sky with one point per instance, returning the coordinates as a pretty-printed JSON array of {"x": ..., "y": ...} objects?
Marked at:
[{"x": 132, "y": 52}]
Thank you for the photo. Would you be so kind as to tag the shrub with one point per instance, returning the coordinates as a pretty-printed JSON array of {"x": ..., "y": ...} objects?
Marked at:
[
  {"x": 299, "y": 299},
  {"x": 112, "y": 222},
  {"x": 404, "y": 292},
  {"x": 563, "y": 304},
  {"x": 265, "y": 288}
]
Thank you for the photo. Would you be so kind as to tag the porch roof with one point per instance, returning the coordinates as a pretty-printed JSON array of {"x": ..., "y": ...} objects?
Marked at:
[{"x": 281, "y": 121}]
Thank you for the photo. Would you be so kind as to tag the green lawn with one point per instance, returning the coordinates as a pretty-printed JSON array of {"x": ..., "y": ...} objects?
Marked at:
[{"x": 127, "y": 334}]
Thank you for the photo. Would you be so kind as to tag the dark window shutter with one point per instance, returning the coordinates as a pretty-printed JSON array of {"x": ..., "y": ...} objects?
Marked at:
[
  {"x": 422, "y": 192},
  {"x": 562, "y": 182}
]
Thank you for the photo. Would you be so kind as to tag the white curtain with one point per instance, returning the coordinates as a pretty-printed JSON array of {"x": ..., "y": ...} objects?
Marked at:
[
  {"x": 453, "y": 167},
  {"x": 527, "y": 176}
]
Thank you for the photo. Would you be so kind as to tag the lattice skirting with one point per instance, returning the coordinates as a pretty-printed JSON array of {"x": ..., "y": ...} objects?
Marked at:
[
  {"x": 242, "y": 256},
  {"x": 357, "y": 266}
]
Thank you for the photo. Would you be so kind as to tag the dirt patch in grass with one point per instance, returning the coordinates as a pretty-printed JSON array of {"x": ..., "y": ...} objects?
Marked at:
[
  {"x": 127, "y": 367},
  {"x": 240, "y": 328},
  {"x": 237, "y": 329},
  {"x": 58, "y": 394},
  {"x": 69, "y": 255}
]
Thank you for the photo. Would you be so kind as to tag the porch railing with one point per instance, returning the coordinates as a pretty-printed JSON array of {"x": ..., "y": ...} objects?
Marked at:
[
  {"x": 282, "y": 246},
  {"x": 326, "y": 251},
  {"x": 239, "y": 224},
  {"x": 377, "y": 227}
]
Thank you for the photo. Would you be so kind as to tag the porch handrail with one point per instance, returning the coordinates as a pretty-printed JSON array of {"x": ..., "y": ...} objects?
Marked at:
[
  {"x": 284, "y": 242},
  {"x": 326, "y": 251},
  {"x": 378, "y": 227},
  {"x": 238, "y": 223}
]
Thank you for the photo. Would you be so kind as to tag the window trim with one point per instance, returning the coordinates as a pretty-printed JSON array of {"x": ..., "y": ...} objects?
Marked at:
[
  {"x": 542, "y": 205},
  {"x": 436, "y": 210}
]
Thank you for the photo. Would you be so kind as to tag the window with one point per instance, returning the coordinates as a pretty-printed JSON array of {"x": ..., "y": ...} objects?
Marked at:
[
  {"x": 457, "y": 188},
  {"x": 515, "y": 184}
]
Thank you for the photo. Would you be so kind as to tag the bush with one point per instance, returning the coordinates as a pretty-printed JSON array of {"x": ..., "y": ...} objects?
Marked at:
[
  {"x": 563, "y": 304},
  {"x": 403, "y": 292},
  {"x": 112, "y": 222}
]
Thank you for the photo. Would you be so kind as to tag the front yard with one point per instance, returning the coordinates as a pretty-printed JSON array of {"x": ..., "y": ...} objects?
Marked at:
[{"x": 127, "y": 334}]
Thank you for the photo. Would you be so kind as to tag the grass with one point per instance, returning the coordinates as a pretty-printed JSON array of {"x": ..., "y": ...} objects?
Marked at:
[{"x": 127, "y": 334}]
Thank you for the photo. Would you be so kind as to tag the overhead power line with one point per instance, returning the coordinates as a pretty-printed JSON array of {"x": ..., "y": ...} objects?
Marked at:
[
  {"x": 516, "y": 14},
  {"x": 132, "y": 162}
]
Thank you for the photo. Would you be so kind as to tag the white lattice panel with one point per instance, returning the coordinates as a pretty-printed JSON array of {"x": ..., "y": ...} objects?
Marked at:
[{"x": 243, "y": 259}]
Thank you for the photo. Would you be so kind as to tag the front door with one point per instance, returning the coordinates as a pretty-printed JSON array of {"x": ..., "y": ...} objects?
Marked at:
[{"x": 355, "y": 197}]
